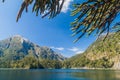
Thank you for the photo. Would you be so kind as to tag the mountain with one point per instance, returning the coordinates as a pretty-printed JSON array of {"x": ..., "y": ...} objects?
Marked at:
[
  {"x": 101, "y": 54},
  {"x": 17, "y": 48}
]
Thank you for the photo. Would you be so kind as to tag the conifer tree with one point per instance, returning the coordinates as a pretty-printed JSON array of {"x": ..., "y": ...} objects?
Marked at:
[{"x": 92, "y": 15}]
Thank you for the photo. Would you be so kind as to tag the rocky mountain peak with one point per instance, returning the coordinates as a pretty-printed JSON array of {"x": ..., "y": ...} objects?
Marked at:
[
  {"x": 19, "y": 38},
  {"x": 22, "y": 46}
]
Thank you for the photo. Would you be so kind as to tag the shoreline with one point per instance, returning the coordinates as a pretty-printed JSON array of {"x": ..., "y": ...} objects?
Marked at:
[
  {"x": 86, "y": 68},
  {"x": 13, "y": 69},
  {"x": 61, "y": 68}
]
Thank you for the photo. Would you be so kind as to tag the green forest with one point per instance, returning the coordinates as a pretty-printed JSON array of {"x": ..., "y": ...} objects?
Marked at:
[
  {"x": 30, "y": 62},
  {"x": 100, "y": 54}
]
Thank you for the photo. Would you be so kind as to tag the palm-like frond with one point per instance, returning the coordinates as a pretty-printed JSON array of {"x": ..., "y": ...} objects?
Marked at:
[
  {"x": 42, "y": 7},
  {"x": 94, "y": 15},
  {"x": 117, "y": 27}
]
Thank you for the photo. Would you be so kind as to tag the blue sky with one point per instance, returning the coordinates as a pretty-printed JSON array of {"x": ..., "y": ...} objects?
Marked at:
[{"x": 54, "y": 33}]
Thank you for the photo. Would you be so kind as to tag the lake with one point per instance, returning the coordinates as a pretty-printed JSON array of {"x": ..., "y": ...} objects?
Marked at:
[{"x": 59, "y": 74}]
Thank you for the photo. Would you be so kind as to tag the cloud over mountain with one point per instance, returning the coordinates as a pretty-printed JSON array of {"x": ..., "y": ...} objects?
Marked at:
[
  {"x": 76, "y": 50},
  {"x": 58, "y": 48}
]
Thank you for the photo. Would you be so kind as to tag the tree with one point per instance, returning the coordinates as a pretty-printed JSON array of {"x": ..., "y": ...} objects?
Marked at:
[
  {"x": 92, "y": 15},
  {"x": 44, "y": 7}
]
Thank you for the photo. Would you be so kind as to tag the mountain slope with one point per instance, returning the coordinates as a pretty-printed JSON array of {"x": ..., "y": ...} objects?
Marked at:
[
  {"x": 17, "y": 47},
  {"x": 101, "y": 54},
  {"x": 18, "y": 52}
]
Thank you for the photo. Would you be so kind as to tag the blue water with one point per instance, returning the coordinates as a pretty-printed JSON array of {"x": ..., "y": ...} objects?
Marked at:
[{"x": 59, "y": 74}]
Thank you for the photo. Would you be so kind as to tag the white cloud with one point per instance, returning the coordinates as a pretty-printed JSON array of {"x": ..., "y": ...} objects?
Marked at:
[
  {"x": 76, "y": 50},
  {"x": 66, "y": 6},
  {"x": 73, "y": 49},
  {"x": 80, "y": 51},
  {"x": 58, "y": 48}
]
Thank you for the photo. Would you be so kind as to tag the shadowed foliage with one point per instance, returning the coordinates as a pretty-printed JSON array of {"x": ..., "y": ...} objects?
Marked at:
[
  {"x": 44, "y": 7},
  {"x": 117, "y": 27},
  {"x": 94, "y": 15}
]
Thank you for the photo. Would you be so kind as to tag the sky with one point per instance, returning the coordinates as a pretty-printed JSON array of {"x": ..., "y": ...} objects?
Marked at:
[{"x": 54, "y": 33}]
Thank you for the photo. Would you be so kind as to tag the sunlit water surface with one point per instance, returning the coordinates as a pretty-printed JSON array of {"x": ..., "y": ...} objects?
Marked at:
[{"x": 59, "y": 74}]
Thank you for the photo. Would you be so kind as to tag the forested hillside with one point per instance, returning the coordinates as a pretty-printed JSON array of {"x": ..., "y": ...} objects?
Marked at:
[{"x": 101, "y": 54}]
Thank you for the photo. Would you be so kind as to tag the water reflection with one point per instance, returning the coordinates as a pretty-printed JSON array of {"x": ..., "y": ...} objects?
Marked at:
[
  {"x": 61, "y": 74},
  {"x": 98, "y": 74},
  {"x": 36, "y": 75}
]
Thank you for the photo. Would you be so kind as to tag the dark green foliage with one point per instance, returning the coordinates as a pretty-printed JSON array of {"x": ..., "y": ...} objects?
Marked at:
[
  {"x": 30, "y": 62},
  {"x": 101, "y": 63},
  {"x": 5, "y": 64},
  {"x": 66, "y": 64},
  {"x": 53, "y": 64},
  {"x": 76, "y": 62},
  {"x": 83, "y": 61}
]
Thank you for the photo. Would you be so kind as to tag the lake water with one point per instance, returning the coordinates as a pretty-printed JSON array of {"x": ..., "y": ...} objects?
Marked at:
[{"x": 59, "y": 74}]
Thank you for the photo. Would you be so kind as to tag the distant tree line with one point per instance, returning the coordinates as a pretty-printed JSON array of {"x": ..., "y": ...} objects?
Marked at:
[{"x": 30, "y": 62}]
